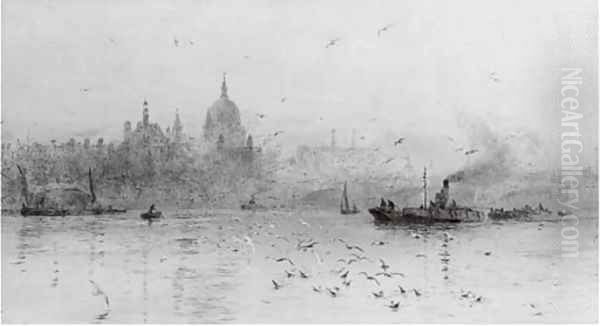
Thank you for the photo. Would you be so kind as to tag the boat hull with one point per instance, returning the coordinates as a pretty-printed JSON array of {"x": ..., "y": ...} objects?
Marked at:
[
  {"x": 151, "y": 216},
  {"x": 104, "y": 211},
  {"x": 252, "y": 207},
  {"x": 433, "y": 215},
  {"x": 28, "y": 211}
]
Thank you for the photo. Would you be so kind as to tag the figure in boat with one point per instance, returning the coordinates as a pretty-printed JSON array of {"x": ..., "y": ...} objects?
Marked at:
[
  {"x": 151, "y": 214},
  {"x": 344, "y": 203},
  {"x": 251, "y": 204}
]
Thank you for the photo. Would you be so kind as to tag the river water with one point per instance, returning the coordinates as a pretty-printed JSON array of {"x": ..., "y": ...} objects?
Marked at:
[{"x": 219, "y": 266}]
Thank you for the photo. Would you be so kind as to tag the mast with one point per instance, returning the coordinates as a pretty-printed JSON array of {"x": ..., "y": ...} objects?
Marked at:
[
  {"x": 425, "y": 187},
  {"x": 24, "y": 188},
  {"x": 91, "y": 186},
  {"x": 347, "y": 206},
  {"x": 342, "y": 201}
]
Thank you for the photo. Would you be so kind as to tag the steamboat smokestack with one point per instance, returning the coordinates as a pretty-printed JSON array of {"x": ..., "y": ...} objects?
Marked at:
[{"x": 442, "y": 197}]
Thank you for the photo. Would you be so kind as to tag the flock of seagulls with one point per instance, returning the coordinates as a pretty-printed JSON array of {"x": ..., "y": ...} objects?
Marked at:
[
  {"x": 462, "y": 148},
  {"x": 380, "y": 31},
  {"x": 346, "y": 265},
  {"x": 176, "y": 42},
  {"x": 346, "y": 272},
  {"x": 355, "y": 264}
]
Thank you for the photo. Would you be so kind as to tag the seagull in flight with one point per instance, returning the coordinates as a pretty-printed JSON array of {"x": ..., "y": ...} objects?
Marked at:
[
  {"x": 383, "y": 29},
  {"x": 399, "y": 141},
  {"x": 388, "y": 160},
  {"x": 494, "y": 77},
  {"x": 402, "y": 290},
  {"x": 98, "y": 291},
  {"x": 378, "y": 294},
  {"x": 383, "y": 265},
  {"x": 472, "y": 151},
  {"x": 332, "y": 42},
  {"x": 282, "y": 259},
  {"x": 390, "y": 275},
  {"x": 260, "y": 115},
  {"x": 394, "y": 304},
  {"x": 276, "y": 285},
  {"x": 277, "y": 133},
  {"x": 370, "y": 278}
]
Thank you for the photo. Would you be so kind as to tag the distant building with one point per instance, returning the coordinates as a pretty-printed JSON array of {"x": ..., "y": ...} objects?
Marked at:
[
  {"x": 177, "y": 130},
  {"x": 126, "y": 130},
  {"x": 146, "y": 132},
  {"x": 149, "y": 135},
  {"x": 223, "y": 124}
]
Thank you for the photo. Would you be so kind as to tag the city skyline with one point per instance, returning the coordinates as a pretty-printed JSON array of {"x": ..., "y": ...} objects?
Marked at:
[{"x": 432, "y": 62}]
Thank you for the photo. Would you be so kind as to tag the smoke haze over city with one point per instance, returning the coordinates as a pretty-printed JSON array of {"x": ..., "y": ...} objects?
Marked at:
[{"x": 80, "y": 69}]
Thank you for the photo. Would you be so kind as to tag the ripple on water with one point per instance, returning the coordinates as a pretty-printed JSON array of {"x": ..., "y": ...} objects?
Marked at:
[{"x": 177, "y": 260}]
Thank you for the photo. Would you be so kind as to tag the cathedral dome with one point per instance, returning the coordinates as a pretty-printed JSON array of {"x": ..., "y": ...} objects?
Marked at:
[
  {"x": 224, "y": 111},
  {"x": 223, "y": 118}
]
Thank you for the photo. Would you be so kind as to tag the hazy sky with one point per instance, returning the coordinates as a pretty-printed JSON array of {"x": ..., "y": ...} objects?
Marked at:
[{"x": 434, "y": 61}]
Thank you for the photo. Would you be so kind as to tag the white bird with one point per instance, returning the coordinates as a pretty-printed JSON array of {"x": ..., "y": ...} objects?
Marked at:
[
  {"x": 98, "y": 291},
  {"x": 319, "y": 259},
  {"x": 250, "y": 243},
  {"x": 332, "y": 42},
  {"x": 383, "y": 29}
]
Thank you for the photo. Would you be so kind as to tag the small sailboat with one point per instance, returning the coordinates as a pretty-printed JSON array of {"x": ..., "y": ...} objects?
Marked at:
[
  {"x": 344, "y": 204},
  {"x": 97, "y": 209}
]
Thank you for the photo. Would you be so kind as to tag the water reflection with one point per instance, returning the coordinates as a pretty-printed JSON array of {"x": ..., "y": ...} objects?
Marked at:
[
  {"x": 213, "y": 269},
  {"x": 56, "y": 270},
  {"x": 28, "y": 240},
  {"x": 145, "y": 293}
]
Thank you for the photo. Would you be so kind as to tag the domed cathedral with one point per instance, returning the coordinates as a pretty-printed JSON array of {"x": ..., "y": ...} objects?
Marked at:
[{"x": 223, "y": 126}]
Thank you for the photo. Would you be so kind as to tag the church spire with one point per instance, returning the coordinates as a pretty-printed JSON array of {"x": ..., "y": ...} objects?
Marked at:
[
  {"x": 177, "y": 127},
  {"x": 224, "y": 86},
  {"x": 145, "y": 114}
]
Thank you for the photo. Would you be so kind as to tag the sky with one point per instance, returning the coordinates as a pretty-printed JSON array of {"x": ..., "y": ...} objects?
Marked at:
[{"x": 499, "y": 61}]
